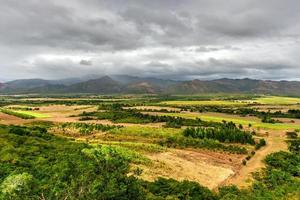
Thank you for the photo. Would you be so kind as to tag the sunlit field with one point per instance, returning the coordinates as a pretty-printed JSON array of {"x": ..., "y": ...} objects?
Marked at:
[
  {"x": 276, "y": 100},
  {"x": 213, "y": 102},
  {"x": 33, "y": 113}
]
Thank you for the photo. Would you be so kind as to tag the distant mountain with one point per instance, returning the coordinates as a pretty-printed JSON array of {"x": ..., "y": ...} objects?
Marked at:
[
  {"x": 26, "y": 83},
  {"x": 142, "y": 88},
  {"x": 237, "y": 86},
  {"x": 126, "y": 79},
  {"x": 32, "y": 84},
  {"x": 125, "y": 84},
  {"x": 104, "y": 85},
  {"x": 2, "y": 85}
]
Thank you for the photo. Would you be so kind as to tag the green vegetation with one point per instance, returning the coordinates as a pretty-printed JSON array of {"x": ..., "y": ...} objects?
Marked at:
[
  {"x": 146, "y": 132},
  {"x": 132, "y": 116},
  {"x": 136, "y": 146},
  {"x": 260, "y": 144},
  {"x": 238, "y": 120},
  {"x": 17, "y": 114},
  {"x": 36, "y": 165},
  {"x": 85, "y": 128},
  {"x": 227, "y": 133},
  {"x": 104, "y": 161},
  {"x": 31, "y": 113},
  {"x": 186, "y": 142},
  {"x": 278, "y": 181},
  {"x": 276, "y": 100},
  {"x": 170, "y": 137},
  {"x": 211, "y": 102}
]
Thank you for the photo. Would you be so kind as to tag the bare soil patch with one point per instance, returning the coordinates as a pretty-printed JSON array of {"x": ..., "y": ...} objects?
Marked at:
[
  {"x": 12, "y": 120},
  {"x": 205, "y": 167}
]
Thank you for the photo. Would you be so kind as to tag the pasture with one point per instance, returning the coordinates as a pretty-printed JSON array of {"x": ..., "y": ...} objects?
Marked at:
[
  {"x": 212, "y": 102},
  {"x": 276, "y": 100}
]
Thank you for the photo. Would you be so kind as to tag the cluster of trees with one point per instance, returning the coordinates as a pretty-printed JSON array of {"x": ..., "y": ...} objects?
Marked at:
[
  {"x": 227, "y": 133},
  {"x": 268, "y": 119},
  {"x": 24, "y": 108},
  {"x": 292, "y": 113},
  {"x": 37, "y": 165},
  {"x": 20, "y": 115},
  {"x": 86, "y": 129}
]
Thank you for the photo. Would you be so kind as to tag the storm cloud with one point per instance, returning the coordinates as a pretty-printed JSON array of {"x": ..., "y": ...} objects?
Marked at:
[{"x": 174, "y": 39}]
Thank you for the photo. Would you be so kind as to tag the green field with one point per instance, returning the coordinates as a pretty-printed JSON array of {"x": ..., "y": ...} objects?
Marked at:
[
  {"x": 237, "y": 120},
  {"x": 213, "y": 102},
  {"x": 32, "y": 113},
  {"x": 276, "y": 100},
  {"x": 147, "y": 132},
  {"x": 269, "y": 100}
]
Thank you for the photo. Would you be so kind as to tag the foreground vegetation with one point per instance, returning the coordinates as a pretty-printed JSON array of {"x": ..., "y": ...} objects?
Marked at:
[
  {"x": 103, "y": 159},
  {"x": 37, "y": 165}
]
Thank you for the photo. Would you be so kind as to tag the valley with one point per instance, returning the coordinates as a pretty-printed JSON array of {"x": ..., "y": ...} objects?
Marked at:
[{"x": 213, "y": 142}]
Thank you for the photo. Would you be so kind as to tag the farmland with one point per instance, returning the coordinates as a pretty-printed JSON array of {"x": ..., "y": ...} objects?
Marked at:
[{"x": 213, "y": 142}]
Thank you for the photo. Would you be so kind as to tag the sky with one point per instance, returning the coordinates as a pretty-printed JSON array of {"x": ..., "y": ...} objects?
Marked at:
[{"x": 172, "y": 39}]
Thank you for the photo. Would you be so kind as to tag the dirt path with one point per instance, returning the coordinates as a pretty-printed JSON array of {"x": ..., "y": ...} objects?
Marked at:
[{"x": 243, "y": 178}]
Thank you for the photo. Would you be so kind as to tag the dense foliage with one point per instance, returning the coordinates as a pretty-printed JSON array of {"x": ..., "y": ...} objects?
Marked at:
[
  {"x": 227, "y": 133},
  {"x": 85, "y": 128},
  {"x": 37, "y": 165},
  {"x": 171, "y": 189},
  {"x": 244, "y": 111}
]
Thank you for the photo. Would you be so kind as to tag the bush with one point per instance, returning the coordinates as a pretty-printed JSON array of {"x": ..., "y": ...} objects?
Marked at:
[
  {"x": 260, "y": 144},
  {"x": 292, "y": 135},
  {"x": 284, "y": 161},
  {"x": 294, "y": 146},
  {"x": 171, "y": 189}
]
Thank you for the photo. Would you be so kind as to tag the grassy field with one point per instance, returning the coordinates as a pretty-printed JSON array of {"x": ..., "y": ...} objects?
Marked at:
[
  {"x": 202, "y": 103},
  {"x": 276, "y": 100},
  {"x": 147, "y": 132},
  {"x": 32, "y": 113},
  {"x": 245, "y": 122},
  {"x": 269, "y": 100}
]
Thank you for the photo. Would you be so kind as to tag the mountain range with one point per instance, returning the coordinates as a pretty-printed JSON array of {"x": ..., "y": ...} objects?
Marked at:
[{"x": 125, "y": 84}]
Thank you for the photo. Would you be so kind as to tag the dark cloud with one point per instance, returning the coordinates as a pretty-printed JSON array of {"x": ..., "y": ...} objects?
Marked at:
[
  {"x": 170, "y": 38},
  {"x": 86, "y": 62}
]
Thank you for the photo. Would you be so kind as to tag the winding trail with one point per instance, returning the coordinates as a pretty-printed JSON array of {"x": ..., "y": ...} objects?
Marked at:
[{"x": 243, "y": 177}]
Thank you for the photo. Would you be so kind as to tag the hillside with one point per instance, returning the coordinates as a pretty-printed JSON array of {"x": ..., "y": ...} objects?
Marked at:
[{"x": 101, "y": 85}]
